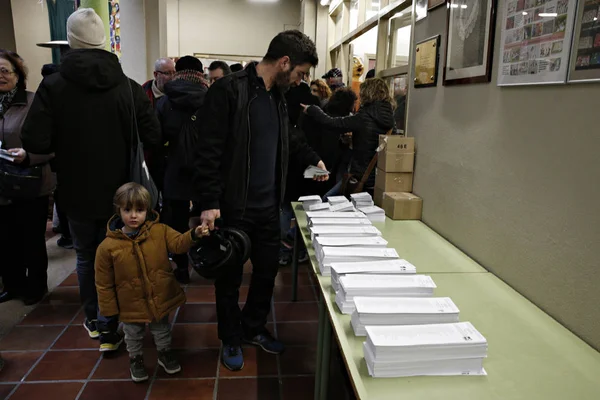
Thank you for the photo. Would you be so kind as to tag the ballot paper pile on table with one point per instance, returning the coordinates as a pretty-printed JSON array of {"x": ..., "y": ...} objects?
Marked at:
[
  {"x": 374, "y": 213},
  {"x": 342, "y": 207},
  {"x": 333, "y": 200},
  {"x": 308, "y": 201},
  {"x": 380, "y": 285},
  {"x": 319, "y": 207},
  {"x": 344, "y": 231},
  {"x": 340, "y": 221},
  {"x": 401, "y": 311},
  {"x": 436, "y": 349},
  {"x": 331, "y": 214},
  {"x": 336, "y": 241},
  {"x": 362, "y": 200},
  {"x": 328, "y": 255},
  {"x": 340, "y": 269},
  {"x": 311, "y": 172}
]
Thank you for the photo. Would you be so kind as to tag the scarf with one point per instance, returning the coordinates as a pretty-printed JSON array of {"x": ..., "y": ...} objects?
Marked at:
[
  {"x": 191, "y": 75},
  {"x": 5, "y": 100}
]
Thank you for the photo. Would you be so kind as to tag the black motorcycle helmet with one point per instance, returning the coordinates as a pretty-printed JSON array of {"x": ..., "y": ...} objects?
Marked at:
[{"x": 225, "y": 248}]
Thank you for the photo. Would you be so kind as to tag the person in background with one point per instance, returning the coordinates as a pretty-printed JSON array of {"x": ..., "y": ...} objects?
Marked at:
[
  {"x": 241, "y": 169},
  {"x": 319, "y": 88},
  {"x": 334, "y": 79},
  {"x": 184, "y": 97},
  {"x": 236, "y": 68},
  {"x": 135, "y": 237},
  {"x": 375, "y": 117},
  {"x": 217, "y": 70},
  {"x": 24, "y": 264},
  {"x": 370, "y": 74},
  {"x": 85, "y": 114},
  {"x": 164, "y": 69}
]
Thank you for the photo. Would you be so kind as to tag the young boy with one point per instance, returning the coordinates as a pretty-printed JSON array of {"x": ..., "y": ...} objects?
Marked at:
[{"x": 134, "y": 278}]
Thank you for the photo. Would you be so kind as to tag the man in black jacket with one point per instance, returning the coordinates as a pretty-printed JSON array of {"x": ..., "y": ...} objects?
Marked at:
[
  {"x": 241, "y": 167},
  {"x": 84, "y": 114}
]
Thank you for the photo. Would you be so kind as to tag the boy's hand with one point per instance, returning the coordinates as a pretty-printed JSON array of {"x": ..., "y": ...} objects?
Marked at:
[{"x": 201, "y": 231}]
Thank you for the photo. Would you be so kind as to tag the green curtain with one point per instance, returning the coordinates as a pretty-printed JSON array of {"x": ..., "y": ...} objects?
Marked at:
[{"x": 58, "y": 13}]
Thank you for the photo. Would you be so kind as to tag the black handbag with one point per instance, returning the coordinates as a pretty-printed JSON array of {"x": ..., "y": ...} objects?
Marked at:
[
  {"x": 17, "y": 182},
  {"x": 138, "y": 171}
]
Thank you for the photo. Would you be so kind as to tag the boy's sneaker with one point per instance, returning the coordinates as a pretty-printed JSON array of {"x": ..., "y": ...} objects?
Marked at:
[
  {"x": 137, "y": 369},
  {"x": 232, "y": 357},
  {"x": 267, "y": 342},
  {"x": 110, "y": 341},
  {"x": 167, "y": 360},
  {"x": 92, "y": 328}
]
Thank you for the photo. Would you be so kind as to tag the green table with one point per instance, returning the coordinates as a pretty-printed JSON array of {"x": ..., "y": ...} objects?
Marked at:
[{"x": 531, "y": 356}]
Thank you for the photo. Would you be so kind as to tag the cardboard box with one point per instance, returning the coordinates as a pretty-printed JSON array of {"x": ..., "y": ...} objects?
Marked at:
[
  {"x": 396, "y": 162},
  {"x": 402, "y": 206},
  {"x": 394, "y": 181},
  {"x": 378, "y": 195},
  {"x": 397, "y": 144}
]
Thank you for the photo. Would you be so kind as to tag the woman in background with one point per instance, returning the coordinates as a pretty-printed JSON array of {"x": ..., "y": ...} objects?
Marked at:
[{"x": 319, "y": 89}]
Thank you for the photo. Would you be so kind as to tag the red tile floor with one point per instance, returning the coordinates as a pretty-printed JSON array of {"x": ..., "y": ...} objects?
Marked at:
[{"x": 49, "y": 355}]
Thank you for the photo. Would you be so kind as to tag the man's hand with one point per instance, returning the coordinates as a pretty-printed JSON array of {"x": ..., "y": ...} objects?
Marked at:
[
  {"x": 208, "y": 218},
  {"x": 324, "y": 177},
  {"x": 304, "y": 108},
  {"x": 19, "y": 155}
]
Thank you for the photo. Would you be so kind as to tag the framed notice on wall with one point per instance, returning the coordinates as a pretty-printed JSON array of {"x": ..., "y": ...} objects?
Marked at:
[
  {"x": 536, "y": 41},
  {"x": 585, "y": 54},
  {"x": 426, "y": 62}
]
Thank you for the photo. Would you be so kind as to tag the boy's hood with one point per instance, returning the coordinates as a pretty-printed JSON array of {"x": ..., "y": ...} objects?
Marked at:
[{"x": 115, "y": 227}]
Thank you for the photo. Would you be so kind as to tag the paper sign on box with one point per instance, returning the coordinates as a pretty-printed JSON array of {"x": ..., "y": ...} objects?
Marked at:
[{"x": 397, "y": 144}]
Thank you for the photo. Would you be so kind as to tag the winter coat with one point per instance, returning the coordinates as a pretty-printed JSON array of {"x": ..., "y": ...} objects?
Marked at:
[
  {"x": 10, "y": 131},
  {"x": 84, "y": 114},
  {"x": 134, "y": 278},
  {"x": 372, "y": 120},
  {"x": 181, "y": 101}
]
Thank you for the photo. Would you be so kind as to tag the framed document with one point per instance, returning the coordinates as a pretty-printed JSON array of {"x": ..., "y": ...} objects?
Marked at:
[
  {"x": 585, "y": 54},
  {"x": 435, "y": 3},
  {"x": 471, "y": 25},
  {"x": 536, "y": 40},
  {"x": 426, "y": 62}
]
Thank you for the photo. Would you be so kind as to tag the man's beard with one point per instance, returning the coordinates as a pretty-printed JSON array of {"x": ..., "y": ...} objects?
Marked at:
[{"x": 282, "y": 80}]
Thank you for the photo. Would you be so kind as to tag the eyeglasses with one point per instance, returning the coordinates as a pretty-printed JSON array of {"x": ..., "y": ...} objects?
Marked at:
[{"x": 5, "y": 72}]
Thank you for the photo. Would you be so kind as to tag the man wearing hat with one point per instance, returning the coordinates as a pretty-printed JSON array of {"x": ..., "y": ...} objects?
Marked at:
[
  {"x": 334, "y": 79},
  {"x": 84, "y": 114}
]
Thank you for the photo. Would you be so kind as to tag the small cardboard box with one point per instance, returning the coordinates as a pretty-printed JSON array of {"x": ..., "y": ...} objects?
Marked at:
[
  {"x": 394, "y": 181},
  {"x": 397, "y": 144},
  {"x": 402, "y": 206},
  {"x": 378, "y": 195},
  {"x": 396, "y": 162}
]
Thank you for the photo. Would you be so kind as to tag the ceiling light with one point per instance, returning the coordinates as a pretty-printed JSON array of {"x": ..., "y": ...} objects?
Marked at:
[
  {"x": 548, "y": 15},
  {"x": 463, "y": 6},
  {"x": 524, "y": 12},
  {"x": 325, "y": 2}
]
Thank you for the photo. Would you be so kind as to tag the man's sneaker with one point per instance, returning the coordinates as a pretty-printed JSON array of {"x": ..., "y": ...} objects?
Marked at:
[
  {"x": 232, "y": 357},
  {"x": 137, "y": 369},
  {"x": 65, "y": 242},
  {"x": 303, "y": 256},
  {"x": 267, "y": 342},
  {"x": 110, "y": 341},
  {"x": 167, "y": 360},
  {"x": 285, "y": 258},
  {"x": 92, "y": 328},
  {"x": 182, "y": 275}
]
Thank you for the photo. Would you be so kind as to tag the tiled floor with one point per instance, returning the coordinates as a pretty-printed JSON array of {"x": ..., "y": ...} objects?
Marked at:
[{"x": 49, "y": 355}]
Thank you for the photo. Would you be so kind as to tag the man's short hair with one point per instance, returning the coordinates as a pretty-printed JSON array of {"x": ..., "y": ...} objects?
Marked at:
[
  {"x": 236, "y": 67},
  {"x": 189, "y": 63},
  {"x": 220, "y": 65},
  {"x": 294, "y": 44}
]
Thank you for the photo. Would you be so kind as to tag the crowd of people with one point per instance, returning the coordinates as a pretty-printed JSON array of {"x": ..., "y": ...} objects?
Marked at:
[{"x": 255, "y": 129}]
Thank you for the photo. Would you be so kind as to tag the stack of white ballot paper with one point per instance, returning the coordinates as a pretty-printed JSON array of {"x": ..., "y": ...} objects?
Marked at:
[
  {"x": 312, "y": 171},
  {"x": 401, "y": 311},
  {"x": 328, "y": 255},
  {"x": 342, "y": 207},
  {"x": 308, "y": 201},
  {"x": 362, "y": 200},
  {"x": 319, "y": 207},
  {"x": 331, "y": 214},
  {"x": 381, "y": 285},
  {"x": 412, "y": 350},
  {"x": 343, "y": 231},
  {"x": 340, "y": 221},
  {"x": 370, "y": 267},
  {"x": 333, "y": 200},
  {"x": 334, "y": 241},
  {"x": 374, "y": 213}
]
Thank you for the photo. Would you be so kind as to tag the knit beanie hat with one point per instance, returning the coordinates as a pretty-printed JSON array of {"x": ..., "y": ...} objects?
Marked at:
[{"x": 85, "y": 30}]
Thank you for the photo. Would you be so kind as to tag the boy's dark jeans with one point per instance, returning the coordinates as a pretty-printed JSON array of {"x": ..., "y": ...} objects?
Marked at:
[
  {"x": 87, "y": 236},
  {"x": 262, "y": 226}
]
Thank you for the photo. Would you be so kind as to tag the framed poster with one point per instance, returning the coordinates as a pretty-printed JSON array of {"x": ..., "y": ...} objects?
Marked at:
[
  {"x": 426, "y": 62},
  {"x": 435, "y": 3},
  {"x": 536, "y": 40},
  {"x": 114, "y": 23},
  {"x": 585, "y": 53},
  {"x": 471, "y": 25},
  {"x": 421, "y": 9}
]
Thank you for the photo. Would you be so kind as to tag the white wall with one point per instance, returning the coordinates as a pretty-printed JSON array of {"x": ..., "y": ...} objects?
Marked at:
[
  {"x": 235, "y": 27},
  {"x": 133, "y": 40},
  {"x": 32, "y": 27}
]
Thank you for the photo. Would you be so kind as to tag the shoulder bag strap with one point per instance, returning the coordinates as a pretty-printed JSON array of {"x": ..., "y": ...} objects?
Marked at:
[
  {"x": 134, "y": 126},
  {"x": 368, "y": 171}
]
